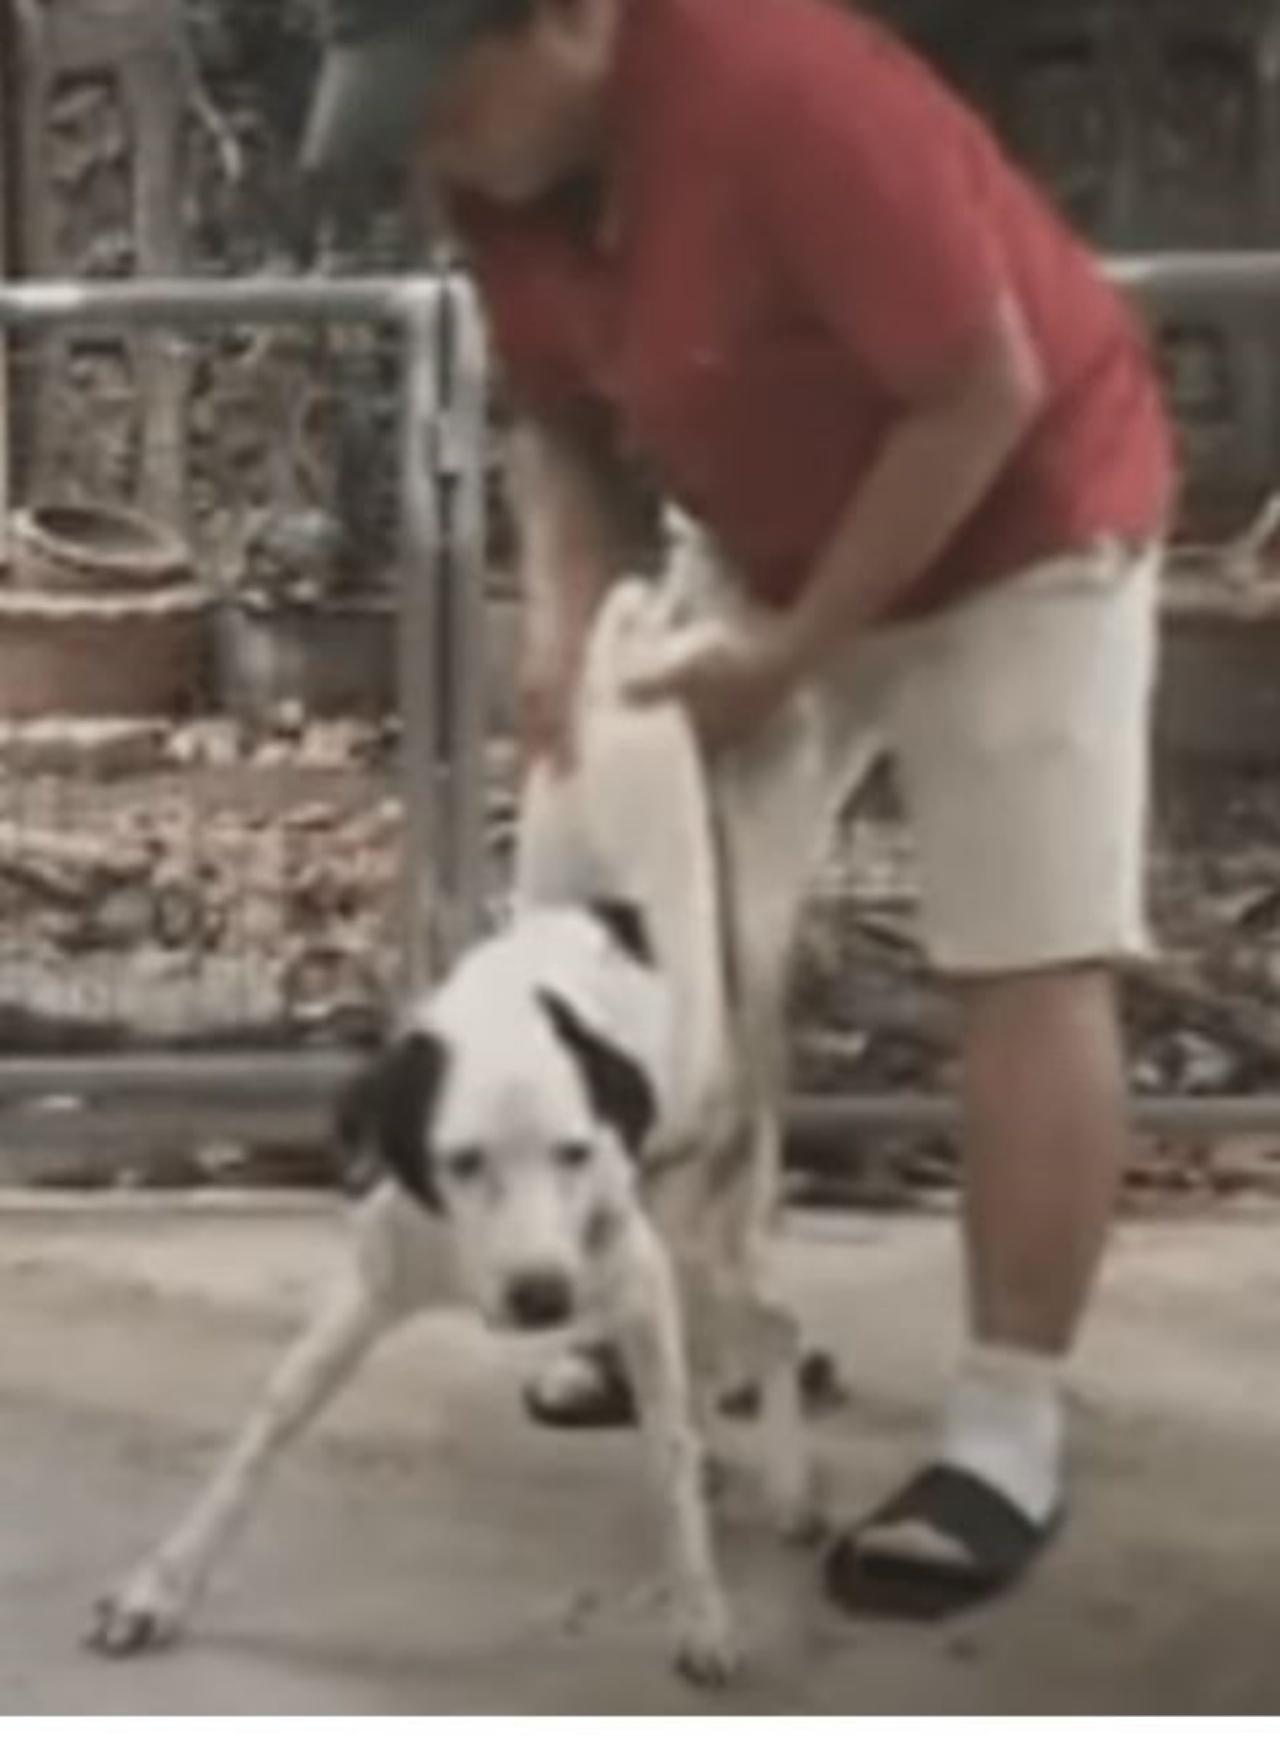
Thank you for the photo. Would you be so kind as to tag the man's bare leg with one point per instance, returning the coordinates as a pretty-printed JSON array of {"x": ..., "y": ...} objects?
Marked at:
[{"x": 1045, "y": 1140}]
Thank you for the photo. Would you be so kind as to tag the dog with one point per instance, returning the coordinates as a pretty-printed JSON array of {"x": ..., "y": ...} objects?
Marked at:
[{"x": 574, "y": 1128}]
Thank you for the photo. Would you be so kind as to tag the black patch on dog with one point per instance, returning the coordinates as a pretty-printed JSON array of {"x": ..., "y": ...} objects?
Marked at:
[
  {"x": 625, "y": 924},
  {"x": 385, "y": 1113},
  {"x": 617, "y": 1086}
]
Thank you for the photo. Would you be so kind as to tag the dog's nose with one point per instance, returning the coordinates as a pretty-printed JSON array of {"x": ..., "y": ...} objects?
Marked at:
[{"x": 538, "y": 1300}]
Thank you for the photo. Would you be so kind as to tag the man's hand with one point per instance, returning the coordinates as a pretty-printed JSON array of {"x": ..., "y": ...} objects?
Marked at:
[{"x": 731, "y": 682}]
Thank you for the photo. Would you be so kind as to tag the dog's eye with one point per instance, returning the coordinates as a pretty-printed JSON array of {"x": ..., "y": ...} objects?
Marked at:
[
  {"x": 464, "y": 1165},
  {"x": 573, "y": 1156}
]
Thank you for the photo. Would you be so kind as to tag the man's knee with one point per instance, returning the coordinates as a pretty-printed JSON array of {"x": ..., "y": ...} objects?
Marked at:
[{"x": 1053, "y": 1010}]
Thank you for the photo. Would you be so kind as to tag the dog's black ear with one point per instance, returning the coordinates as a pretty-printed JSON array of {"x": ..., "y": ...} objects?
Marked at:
[
  {"x": 618, "y": 1087},
  {"x": 625, "y": 924},
  {"x": 384, "y": 1114}
]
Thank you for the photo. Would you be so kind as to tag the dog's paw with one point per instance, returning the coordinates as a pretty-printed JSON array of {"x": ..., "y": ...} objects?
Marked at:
[
  {"x": 139, "y": 1617},
  {"x": 707, "y": 1654}
]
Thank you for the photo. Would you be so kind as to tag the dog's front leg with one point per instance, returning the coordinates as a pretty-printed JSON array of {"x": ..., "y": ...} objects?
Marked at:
[
  {"x": 149, "y": 1606},
  {"x": 651, "y": 1335}
]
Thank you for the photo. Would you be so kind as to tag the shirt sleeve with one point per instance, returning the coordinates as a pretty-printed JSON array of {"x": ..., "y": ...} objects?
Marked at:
[{"x": 875, "y": 190}]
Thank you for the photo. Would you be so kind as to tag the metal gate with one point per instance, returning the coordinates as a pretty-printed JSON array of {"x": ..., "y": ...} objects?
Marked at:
[
  {"x": 440, "y": 781},
  {"x": 159, "y": 1036}
]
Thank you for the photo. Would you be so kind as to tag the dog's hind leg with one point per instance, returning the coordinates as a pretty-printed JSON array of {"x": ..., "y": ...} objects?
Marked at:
[
  {"x": 150, "y": 1605},
  {"x": 758, "y": 1334},
  {"x": 790, "y": 1476},
  {"x": 650, "y": 1333},
  {"x": 758, "y": 1347}
]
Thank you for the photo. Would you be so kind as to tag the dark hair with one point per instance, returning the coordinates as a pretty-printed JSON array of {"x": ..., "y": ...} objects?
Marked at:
[{"x": 506, "y": 15}]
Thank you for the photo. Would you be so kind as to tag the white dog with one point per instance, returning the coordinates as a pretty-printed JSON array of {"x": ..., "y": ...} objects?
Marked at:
[{"x": 578, "y": 1125}]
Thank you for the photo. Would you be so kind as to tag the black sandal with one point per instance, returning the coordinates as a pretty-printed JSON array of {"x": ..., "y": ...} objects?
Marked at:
[
  {"x": 599, "y": 1396},
  {"x": 945, "y": 1542}
]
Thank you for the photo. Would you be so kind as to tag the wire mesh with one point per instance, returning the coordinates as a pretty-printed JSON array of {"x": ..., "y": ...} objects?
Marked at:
[{"x": 203, "y": 827}]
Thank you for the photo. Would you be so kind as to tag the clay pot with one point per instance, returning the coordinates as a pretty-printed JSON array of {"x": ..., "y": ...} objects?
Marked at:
[{"x": 92, "y": 548}]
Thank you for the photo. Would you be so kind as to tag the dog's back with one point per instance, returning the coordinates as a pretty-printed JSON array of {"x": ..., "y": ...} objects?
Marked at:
[{"x": 632, "y": 820}]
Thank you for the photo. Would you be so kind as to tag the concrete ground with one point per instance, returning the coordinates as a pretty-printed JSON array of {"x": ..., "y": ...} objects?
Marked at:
[{"x": 426, "y": 1552}]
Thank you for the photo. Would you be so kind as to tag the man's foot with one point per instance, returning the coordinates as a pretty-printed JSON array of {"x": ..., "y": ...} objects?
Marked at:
[
  {"x": 945, "y": 1542},
  {"x": 968, "y": 1526},
  {"x": 588, "y": 1389}
]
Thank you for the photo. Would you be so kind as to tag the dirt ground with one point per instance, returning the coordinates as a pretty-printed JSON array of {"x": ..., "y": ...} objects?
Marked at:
[{"x": 426, "y": 1552}]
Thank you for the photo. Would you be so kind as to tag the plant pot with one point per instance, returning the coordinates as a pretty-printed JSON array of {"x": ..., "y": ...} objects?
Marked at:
[
  {"x": 124, "y": 656},
  {"x": 1219, "y": 688},
  {"x": 330, "y": 657},
  {"x": 91, "y": 548}
]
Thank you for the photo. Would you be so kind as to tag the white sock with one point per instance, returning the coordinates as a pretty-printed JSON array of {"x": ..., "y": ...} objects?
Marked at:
[{"x": 1004, "y": 1423}]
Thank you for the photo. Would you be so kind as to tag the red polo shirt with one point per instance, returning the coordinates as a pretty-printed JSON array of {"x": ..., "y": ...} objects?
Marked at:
[{"x": 802, "y": 231}]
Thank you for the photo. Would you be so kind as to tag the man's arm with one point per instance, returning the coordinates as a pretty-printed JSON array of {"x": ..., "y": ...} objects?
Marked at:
[
  {"x": 879, "y": 198},
  {"x": 938, "y": 464}
]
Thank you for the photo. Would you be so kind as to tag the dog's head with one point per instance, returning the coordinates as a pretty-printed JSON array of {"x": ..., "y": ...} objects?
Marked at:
[{"x": 508, "y": 1111}]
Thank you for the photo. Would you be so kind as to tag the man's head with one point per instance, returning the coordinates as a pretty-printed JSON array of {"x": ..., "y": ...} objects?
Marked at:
[{"x": 502, "y": 97}]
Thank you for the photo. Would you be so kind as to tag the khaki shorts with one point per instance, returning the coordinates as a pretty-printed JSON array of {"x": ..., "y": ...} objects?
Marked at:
[{"x": 1020, "y": 725}]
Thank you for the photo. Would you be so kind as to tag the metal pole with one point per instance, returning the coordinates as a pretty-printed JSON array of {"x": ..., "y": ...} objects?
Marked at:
[
  {"x": 418, "y": 647},
  {"x": 59, "y": 303},
  {"x": 250, "y": 1078},
  {"x": 1231, "y": 273},
  {"x": 469, "y": 589},
  {"x": 178, "y": 1125},
  {"x": 56, "y": 303},
  {"x": 288, "y": 1097},
  {"x": 830, "y": 1120},
  {"x": 450, "y": 678}
]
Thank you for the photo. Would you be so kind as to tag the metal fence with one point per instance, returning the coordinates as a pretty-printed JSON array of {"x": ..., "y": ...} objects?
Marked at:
[
  {"x": 439, "y": 776},
  {"x": 204, "y": 789}
]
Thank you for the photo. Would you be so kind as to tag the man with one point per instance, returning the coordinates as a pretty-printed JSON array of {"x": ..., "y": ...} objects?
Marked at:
[{"x": 759, "y": 247}]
